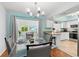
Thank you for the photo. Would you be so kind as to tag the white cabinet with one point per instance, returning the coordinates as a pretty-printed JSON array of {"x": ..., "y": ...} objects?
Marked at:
[
  {"x": 64, "y": 36},
  {"x": 57, "y": 27},
  {"x": 63, "y": 25},
  {"x": 61, "y": 36},
  {"x": 69, "y": 23}
]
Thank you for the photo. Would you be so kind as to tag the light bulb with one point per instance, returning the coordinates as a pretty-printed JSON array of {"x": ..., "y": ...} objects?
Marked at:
[
  {"x": 42, "y": 13},
  {"x": 38, "y": 15},
  {"x": 28, "y": 9},
  {"x": 31, "y": 14},
  {"x": 38, "y": 9}
]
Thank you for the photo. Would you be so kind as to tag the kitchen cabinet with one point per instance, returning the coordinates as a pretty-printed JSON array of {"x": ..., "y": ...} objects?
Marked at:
[
  {"x": 57, "y": 27},
  {"x": 64, "y": 36},
  {"x": 71, "y": 23},
  {"x": 64, "y": 25},
  {"x": 68, "y": 24}
]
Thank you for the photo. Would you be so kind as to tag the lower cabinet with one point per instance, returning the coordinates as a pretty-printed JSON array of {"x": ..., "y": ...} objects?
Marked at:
[{"x": 64, "y": 35}]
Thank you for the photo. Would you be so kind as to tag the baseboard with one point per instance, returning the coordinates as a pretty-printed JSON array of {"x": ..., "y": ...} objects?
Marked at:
[{"x": 4, "y": 53}]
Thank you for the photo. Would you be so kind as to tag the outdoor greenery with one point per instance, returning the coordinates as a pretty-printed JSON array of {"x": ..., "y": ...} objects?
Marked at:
[{"x": 24, "y": 28}]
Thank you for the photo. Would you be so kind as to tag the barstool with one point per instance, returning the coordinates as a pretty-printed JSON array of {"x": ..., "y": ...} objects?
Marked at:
[{"x": 53, "y": 39}]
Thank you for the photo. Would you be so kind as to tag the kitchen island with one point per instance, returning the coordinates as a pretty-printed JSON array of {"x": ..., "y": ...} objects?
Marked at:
[{"x": 59, "y": 36}]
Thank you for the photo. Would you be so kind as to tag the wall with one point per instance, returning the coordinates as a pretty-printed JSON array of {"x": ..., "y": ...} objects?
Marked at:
[
  {"x": 2, "y": 28},
  {"x": 49, "y": 23},
  {"x": 42, "y": 25}
]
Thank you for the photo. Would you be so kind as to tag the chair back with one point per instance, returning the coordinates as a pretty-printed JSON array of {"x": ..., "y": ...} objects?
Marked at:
[
  {"x": 8, "y": 46},
  {"x": 39, "y": 50}
]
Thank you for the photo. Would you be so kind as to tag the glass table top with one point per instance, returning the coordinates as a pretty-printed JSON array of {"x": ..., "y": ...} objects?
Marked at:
[{"x": 21, "y": 45}]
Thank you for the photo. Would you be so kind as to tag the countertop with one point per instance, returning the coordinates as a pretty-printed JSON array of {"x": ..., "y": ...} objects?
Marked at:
[
  {"x": 54, "y": 33},
  {"x": 74, "y": 32}
]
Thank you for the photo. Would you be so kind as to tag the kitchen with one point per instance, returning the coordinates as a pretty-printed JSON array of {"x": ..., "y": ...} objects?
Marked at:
[{"x": 66, "y": 33}]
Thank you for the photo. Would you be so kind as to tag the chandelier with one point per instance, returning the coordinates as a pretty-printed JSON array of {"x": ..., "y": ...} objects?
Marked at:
[{"x": 38, "y": 11}]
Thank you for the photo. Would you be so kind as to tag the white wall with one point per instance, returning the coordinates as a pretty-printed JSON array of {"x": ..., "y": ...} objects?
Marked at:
[
  {"x": 49, "y": 23},
  {"x": 2, "y": 28}
]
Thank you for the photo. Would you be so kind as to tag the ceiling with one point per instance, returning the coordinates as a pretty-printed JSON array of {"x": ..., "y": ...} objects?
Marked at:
[{"x": 50, "y": 8}]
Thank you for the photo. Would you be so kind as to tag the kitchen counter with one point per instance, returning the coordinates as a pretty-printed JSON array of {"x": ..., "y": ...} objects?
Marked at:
[
  {"x": 59, "y": 36},
  {"x": 63, "y": 35},
  {"x": 73, "y": 32},
  {"x": 54, "y": 33}
]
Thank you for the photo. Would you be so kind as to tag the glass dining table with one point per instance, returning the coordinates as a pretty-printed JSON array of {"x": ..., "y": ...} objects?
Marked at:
[{"x": 23, "y": 46}]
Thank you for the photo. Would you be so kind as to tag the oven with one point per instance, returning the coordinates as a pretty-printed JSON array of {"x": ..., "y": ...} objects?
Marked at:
[{"x": 73, "y": 35}]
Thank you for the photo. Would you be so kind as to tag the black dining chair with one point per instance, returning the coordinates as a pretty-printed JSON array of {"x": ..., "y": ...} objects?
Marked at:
[
  {"x": 8, "y": 46},
  {"x": 53, "y": 39},
  {"x": 12, "y": 51},
  {"x": 39, "y": 50}
]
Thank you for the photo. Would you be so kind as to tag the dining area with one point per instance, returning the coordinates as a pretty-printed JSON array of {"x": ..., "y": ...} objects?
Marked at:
[
  {"x": 29, "y": 48},
  {"x": 32, "y": 47},
  {"x": 28, "y": 43}
]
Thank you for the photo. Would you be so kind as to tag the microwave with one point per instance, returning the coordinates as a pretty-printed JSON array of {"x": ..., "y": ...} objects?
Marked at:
[{"x": 74, "y": 26}]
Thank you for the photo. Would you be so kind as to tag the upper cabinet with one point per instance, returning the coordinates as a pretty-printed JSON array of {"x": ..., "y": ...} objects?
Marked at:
[
  {"x": 56, "y": 26},
  {"x": 70, "y": 25},
  {"x": 63, "y": 25}
]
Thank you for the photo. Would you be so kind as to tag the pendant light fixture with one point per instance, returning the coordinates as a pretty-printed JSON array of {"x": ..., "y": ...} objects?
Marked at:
[{"x": 38, "y": 11}]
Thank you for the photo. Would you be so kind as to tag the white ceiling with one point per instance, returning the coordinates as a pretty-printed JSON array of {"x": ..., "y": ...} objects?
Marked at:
[{"x": 50, "y": 8}]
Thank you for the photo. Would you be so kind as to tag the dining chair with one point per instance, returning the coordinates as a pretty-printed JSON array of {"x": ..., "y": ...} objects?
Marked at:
[
  {"x": 39, "y": 50},
  {"x": 8, "y": 46},
  {"x": 12, "y": 52}
]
